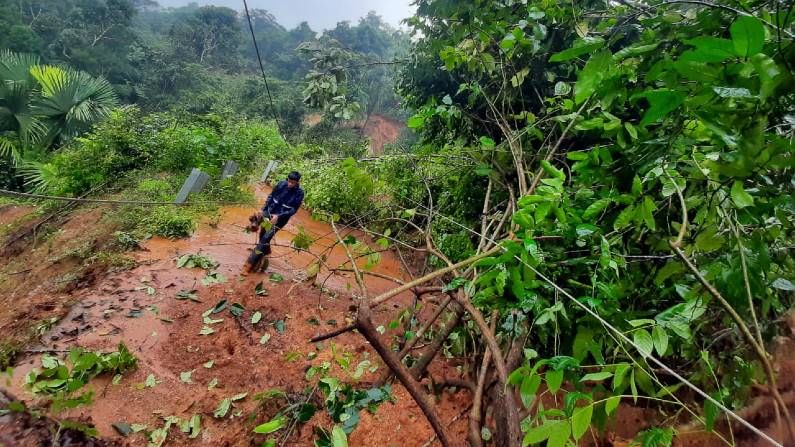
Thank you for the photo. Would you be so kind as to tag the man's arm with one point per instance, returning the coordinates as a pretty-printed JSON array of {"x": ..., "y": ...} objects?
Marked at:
[
  {"x": 269, "y": 202},
  {"x": 295, "y": 203}
]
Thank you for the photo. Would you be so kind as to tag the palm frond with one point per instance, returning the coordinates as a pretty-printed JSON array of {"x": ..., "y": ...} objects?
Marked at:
[
  {"x": 39, "y": 177},
  {"x": 74, "y": 100},
  {"x": 8, "y": 150},
  {"x": 16, "y": 66}
]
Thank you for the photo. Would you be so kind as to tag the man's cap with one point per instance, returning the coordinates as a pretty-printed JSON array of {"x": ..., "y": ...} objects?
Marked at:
[{"x": 295, "y": 175}]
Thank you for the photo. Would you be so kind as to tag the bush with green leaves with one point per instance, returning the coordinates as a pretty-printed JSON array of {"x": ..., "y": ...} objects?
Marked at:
[
  {"x": 61, "y": 379},
  {"x": 170, "y": 221}
]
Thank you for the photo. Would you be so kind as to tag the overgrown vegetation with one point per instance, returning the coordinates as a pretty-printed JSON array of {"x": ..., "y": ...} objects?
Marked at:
[{"x": 604, "y": 188}]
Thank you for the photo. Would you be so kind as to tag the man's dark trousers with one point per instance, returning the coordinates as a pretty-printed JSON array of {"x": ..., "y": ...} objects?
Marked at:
[{"x": 265, "y": 236}]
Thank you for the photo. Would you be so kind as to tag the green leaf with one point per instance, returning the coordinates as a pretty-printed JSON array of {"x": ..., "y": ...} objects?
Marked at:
[
  {"x": 596, "y": 208},
  {"x": 195, "y": 426},
  {"x": 748, "y": 36},
  {"x": 660, "y": 338},
  {"x": 185, "y": 376},
  {"x": 559, "y": 434},
  {"x": 223, "y": 408},
  {"x": 554, "y": 380},
  {"x": 643, "y": 341},
  {"x": 581, "y": 420},
  {"x": 338, "y": 437},
  {"x": 528, "y": 389},
  {"x": 592, "y": 75},
  {"x": 256, "y": 317},
  {"x": 711, "y": 412},
  {"x": 708, "y": 241},
  {"x": 273, "y": 425},
  {"x": 416, "y": 121},
  {"x": 487, "y": 143},
  {"x": 709, "y": 49},
  {"x": 611, "y": 404},
  {"x": 668, "y": 270},
  {"x": 596, "y": 377},
  {"x": 541, "y": 433},
  {"x": 662, "y": 102},
  {"x": 740, "y": 197},
  {"x": 579, "y": 49},
  {"x": 621, "y": 372},
  {"x": 647, "y": 209},
  {"x": 624, "y": 218}
]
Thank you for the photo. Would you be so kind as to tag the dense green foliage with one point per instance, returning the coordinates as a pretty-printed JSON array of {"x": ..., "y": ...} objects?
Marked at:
[
  {"x": 592, "y": 118},
  {"x": 193, "y": 59}
]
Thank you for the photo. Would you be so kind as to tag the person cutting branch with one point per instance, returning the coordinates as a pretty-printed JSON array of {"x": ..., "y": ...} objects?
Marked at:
[{"x": 283, "y": 202}]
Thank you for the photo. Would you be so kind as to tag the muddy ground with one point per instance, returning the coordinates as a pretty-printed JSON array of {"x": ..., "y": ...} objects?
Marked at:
[{"x": 97, "y": 308}]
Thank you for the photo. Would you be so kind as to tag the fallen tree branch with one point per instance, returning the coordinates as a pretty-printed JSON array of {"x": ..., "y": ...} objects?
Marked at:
[
  {"x": 412, "y": 284},
  {"x": 368, "y": 330},
  {"x": 333, "y": 334}
]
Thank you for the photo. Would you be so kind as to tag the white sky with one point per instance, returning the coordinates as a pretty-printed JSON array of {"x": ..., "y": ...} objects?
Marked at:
[{"x": 321, "y": 14}]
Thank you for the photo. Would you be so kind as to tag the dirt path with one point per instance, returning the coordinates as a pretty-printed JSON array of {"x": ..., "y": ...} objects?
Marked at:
[{"x": 138, "y": 307}]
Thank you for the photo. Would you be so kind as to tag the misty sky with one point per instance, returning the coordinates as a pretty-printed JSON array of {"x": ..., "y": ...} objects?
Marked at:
[{"x": 321, "y": 14}]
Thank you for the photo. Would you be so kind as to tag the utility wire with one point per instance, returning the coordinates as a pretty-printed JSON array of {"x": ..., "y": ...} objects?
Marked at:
[
  {"x": 621, "y": 335},
  {"x": 262, "y": 69}
]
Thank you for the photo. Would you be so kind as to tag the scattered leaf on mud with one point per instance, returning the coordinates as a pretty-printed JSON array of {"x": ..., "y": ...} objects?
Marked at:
[
  {"x": 219, "y": 307},
  {"x": 265, "y": 338},
  {"x": 135, "y": 313},
  {"x": 116, "y": 379},
  {"x": 311, "y": 355},
  {"x": 213, "y": 278},
  {"x": 185, "y": 376},
  {"x": 275, "y": 277},
  {"x": 237, "y": 309},
  {"x": 292, "y": 356},
  {"x": 206, "y": 330},
  {"x": 223, "y": 408},
  {"x": 213, "y": 383},
  {"x": 166, "y": 320},
  {"x": 256, "y": 317},
  {"x": 273, "y": 425},
  {"x": 122, "y": 428},
  {"x": 240, "y": 396},
  {"x": 381, "y": 329},
  {"x": 151, "y": 381},
  {"x": 208, "y": 320},
  {"x": 195, "y": 426},
  {"x": 260, "y": 290},
  {"x": 209, "y": 364},
  {"x": 313, "y": 321},
  {"x": 137, "y": 427},
  {"x": 332, "y": 323},
  {"x": 279, "y": 325},
  {"x": 188, "y": 295}
]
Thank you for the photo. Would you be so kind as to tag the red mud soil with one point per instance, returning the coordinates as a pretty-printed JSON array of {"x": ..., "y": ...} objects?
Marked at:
[
  {"x": 138, "y": 307},
  {"x": 164, "y": 334},
  {"x": 379, "y": 129}
]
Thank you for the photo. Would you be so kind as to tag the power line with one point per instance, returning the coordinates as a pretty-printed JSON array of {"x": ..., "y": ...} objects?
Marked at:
[
  {"x": 621, "y": 335},
  {"x": 262, "y": 69}
]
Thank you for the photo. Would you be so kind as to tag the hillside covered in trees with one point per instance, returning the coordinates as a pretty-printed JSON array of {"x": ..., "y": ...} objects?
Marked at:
[{"x": 586, "y": 237}]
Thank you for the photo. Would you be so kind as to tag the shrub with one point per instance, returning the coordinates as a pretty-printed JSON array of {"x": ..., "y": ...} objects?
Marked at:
[{"x": 170, "y": 221}]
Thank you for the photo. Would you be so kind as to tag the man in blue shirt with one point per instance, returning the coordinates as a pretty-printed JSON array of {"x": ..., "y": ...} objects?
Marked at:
[{"x": 283, "y": 202}]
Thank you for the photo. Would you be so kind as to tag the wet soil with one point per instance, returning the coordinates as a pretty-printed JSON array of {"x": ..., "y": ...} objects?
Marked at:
[{"x": 139, "y": 308}]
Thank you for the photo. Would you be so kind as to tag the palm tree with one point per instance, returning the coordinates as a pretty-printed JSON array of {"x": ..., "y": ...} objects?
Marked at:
[
  {"x": 19, "y": 126},
  {"x": 71, "y": 101},
  {"x": 42, "y": 106}
]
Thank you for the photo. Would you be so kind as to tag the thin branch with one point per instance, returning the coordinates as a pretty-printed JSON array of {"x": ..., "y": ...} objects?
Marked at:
[{"x": 412, "y": 284}]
